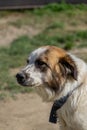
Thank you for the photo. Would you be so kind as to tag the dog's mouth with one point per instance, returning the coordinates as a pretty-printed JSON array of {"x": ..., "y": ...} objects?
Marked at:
[{"x": 25, "y": 82}]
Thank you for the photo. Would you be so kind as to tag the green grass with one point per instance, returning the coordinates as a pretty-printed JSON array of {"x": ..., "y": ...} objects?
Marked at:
[
  {"x": 53, "y": 14},
  {"x": 15, "y": 56},
  {"x": 53, "y": 20},
  {"x": 62, "y": 7},
  {"x": 55, "y": 25}
]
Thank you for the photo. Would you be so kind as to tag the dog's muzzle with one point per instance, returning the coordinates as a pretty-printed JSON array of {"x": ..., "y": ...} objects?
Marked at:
[{"x": 21, "y": 78}]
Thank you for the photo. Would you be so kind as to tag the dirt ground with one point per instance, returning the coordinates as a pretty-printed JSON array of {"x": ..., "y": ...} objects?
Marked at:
[{"x": 26, "y": 112}]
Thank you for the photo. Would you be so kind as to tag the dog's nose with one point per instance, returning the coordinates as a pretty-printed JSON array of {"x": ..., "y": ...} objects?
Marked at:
[{"x": 20, "y": 77}]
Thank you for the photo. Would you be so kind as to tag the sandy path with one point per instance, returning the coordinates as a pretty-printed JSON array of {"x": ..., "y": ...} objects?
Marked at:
[{"x": 27, "y": 112}]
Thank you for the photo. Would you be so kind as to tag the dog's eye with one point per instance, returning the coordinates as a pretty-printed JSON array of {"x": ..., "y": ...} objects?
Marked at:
[{"x": 40, "y": 64}]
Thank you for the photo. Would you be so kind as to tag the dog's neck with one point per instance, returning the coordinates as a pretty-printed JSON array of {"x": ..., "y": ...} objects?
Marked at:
[
  {"x": 70, "y": 105},
  {"x": 58, "y": 104}
]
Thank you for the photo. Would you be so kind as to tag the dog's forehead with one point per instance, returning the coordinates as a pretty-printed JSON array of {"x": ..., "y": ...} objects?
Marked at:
[
  {"x": 51, "y": 53},
  {"x": 37, "y": 53}
]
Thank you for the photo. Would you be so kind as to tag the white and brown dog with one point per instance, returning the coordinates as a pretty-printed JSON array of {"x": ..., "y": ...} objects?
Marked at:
[{"x": 56, "y": 73}]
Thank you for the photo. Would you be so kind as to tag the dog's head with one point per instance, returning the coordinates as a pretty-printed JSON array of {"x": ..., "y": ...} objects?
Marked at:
[{"x": 48, "y": 67}]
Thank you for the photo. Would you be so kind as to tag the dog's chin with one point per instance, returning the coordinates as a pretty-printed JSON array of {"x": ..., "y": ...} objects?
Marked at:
[{"x": 45, "y": 93}]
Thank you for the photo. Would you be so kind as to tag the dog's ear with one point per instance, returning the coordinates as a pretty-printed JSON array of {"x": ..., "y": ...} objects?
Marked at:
[{"x": 69, "y": 66}]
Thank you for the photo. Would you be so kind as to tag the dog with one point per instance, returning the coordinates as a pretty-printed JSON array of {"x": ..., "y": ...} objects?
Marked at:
[{"x": 55, "y": 73}]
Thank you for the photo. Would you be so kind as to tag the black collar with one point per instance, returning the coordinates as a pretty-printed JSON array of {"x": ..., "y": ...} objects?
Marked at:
[{"x": 58, "y": 104}]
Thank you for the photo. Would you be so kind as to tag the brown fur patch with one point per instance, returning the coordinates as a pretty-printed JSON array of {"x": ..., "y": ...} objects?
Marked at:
[
  {"x": 59, "y": 62},
  {"x": 52, "y": 57}
]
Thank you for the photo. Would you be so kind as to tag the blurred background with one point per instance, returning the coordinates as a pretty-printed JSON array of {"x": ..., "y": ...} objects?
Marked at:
[{"x": 23, "y": 29}]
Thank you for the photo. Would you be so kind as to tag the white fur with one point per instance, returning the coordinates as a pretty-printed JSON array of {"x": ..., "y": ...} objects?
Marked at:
[
  {"x": 35, "y": 54},
  {"x": 35, "y": 77},
  {"x": 73, "y": 114}
]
